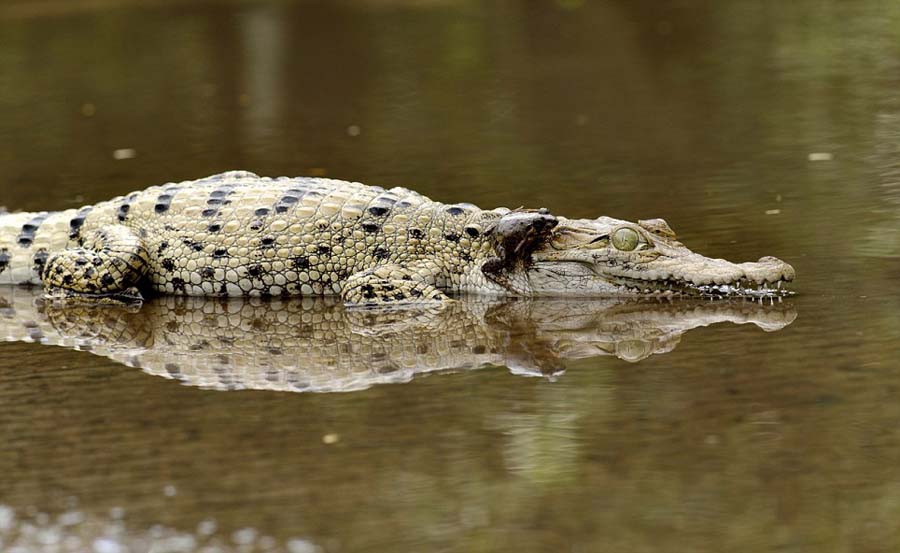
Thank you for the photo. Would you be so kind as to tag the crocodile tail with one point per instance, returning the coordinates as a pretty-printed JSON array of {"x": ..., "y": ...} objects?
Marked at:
[{"x": 27, "y": 239}]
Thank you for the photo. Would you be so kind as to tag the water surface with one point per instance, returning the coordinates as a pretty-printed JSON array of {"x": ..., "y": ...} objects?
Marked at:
[{"x": 754, "y": 129}]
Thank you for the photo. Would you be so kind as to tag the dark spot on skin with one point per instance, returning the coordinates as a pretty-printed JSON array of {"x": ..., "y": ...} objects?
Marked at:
[
  {"x": 404, "y": 203},
  {"x": 220, "y": 252},
  {"x": 96, "y": 262},
  {"x": 142, "y": 233},
  {"x": 416, "y": 293},
  {"x": 465, "y": 257},
  {"x": 399, "y": 296},
  {"x": 267, "y": 241},
  {"x": 40, "y": 259},
  {"x": 378, "y": 211},
  {"x": 472, "y": 231},
  {"x": 389, "y": 287},
  {"x": 417, "y": 233},
  {"x": 68, "y": 279},
  {"x": 210, "y": 212},
  {"x": 407, "y": 277},
  {"x": 256, "y": 225},
  {"x": 35, "y": 334},
  {"x": 368, "y": 291},
  {"x": 161, "y": 208},
  {"x": 172, "y": 369},
  {"x": 162, "y": 246},
  {"x": 285, "y": 202},
  {"x": 58, "y": 270},
  {"x": 122, "y": 213},
  {"x": 261, "y": 212},
  {"x": 197, "y": 247},
  {"x": 214, "y": 201},
  {"x": 168, "y": 227},
  {"x": 74, "y": 225},
  {"x": 91, "y": 286},
  {"x": 178, "y": 283},
  {"x": 29, "y": 228},
  {"x": 381, "y": 253},
  {"x": 275, "y": 351},
  {"x": 324, "y": 250},
  {"x": 25, "y": 241},
  {"x": 107, "y": 280},
  {"x": 207, "y": 272},
  {"x": 215, "y": 227},
  {"x": 220, "y": 193},
  {"x": 81, "y": 261},
  {"x": 168, "y": 264},
  {"x": 254, "y": 270},
  {"x": 451, "y": 237},
  {"x": 492, "y": 266},
  {"x": 164, "y": 199},
  {"x": 223, "y": 290},
  {"x": 301, "y": 263},
  {"x": 370, "y": 228},
  {"x": 454, "y": 210},
  {"x": 90, "y": 272},
  {"x": 477, "y": 350}
]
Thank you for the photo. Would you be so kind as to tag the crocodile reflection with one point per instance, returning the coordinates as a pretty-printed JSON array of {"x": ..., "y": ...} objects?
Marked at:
[{"x": 317, "y": 345}]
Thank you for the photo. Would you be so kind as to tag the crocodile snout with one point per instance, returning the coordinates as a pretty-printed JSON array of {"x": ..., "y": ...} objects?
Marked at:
[{"x": 768, "y": 269}]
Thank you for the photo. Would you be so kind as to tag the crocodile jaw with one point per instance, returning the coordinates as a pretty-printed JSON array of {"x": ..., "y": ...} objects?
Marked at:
[
  {"x": 573, "y": 278},
  {"x": 581, "y": 260}
]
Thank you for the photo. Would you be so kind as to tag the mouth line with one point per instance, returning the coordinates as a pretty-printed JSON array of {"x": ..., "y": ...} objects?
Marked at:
[{"x": 743, "y": 287}]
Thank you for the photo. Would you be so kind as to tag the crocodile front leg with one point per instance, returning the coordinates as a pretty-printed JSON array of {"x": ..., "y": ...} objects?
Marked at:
[
  {"x": 394, "y": 284},
  {"x": 107, "y": 268}
]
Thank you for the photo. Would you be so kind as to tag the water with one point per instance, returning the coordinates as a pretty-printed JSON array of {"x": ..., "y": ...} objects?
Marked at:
[{"x": 753, "y": 129}]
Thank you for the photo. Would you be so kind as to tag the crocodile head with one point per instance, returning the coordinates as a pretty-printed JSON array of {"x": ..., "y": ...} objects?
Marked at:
[{"x": 610, "y": 257}]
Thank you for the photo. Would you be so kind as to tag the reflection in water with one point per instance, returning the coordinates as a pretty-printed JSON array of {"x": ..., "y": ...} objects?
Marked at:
[
  {"x": 318, "y": 345},
  {"x": 883, "y": 236}
]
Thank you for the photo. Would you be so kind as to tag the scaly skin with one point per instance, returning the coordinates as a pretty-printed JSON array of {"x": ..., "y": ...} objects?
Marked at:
[{"x": 237, "y": 234}]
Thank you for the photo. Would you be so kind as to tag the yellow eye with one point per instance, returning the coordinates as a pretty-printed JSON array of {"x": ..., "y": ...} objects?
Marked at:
[{"x": 625, "y": 239}]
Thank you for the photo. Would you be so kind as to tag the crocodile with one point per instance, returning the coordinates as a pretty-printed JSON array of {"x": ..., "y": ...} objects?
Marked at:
[
  {"x": 320, "y": 345},
  {"x": 239, "y": 234}
]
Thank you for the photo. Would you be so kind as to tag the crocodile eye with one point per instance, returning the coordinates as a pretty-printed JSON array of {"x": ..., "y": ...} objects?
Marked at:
[{"x": 625, "y": 239}]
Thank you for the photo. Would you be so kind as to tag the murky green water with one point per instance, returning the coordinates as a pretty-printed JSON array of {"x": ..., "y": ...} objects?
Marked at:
[{"x": 754, "y": 128}]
